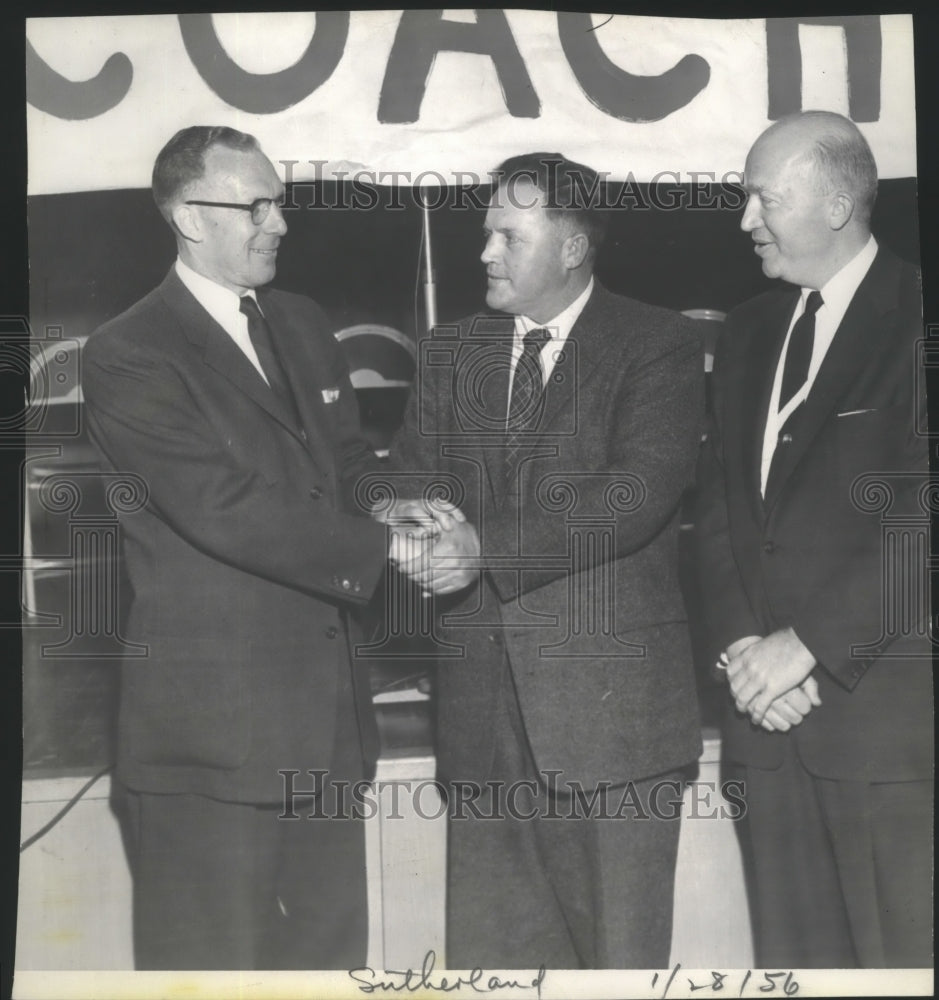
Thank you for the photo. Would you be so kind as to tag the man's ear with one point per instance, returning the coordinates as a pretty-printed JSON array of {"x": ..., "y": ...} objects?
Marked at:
[
  {"x": 840, "y": 210},
  {"x": 187, "y": 222},
  {"x": 574, "y": 251}
]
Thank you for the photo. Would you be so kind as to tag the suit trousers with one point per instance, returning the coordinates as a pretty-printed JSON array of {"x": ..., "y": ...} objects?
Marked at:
[
  {"x": 229, "y": 885},
  {"x": 545, "y": 881},
  {"x": 840, "y": 871}
]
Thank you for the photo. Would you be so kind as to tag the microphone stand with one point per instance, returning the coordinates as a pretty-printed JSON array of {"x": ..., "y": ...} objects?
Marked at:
[{"x": 430, "y": 286}]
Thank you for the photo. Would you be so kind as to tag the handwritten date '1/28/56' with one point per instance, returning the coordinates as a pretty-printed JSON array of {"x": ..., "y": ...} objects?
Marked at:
[{"x": 782, "y": 981}]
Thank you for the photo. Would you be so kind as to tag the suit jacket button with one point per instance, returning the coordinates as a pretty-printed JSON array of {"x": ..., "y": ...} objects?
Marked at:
[
  {"x": 785, "y": 438},
  {"x": 331, "y": 632},
  {"x": 316, "y": 493},
  {"x": 769, "y": 548}
]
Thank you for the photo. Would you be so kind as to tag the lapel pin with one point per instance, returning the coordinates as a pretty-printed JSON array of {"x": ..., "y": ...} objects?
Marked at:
[{"x": 330, "y": 395}]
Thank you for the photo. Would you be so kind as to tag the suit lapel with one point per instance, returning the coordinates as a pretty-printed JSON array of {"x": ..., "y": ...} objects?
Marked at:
[
  {"x": 224, "y": 356},
  {"x": 494, "y": 396},
  {"x": 219, "y": 351},
  {"x": 290, "y": 343},
  {"x": 597, "y": 336},
  {"x": 850, "y": 350}
]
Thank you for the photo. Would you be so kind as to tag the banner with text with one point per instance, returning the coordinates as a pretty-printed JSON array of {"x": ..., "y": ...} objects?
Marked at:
[{"x": 441, "y": 96}]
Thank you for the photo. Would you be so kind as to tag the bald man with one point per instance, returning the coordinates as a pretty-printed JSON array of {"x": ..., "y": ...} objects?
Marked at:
[{"x": 830, "y": 712}]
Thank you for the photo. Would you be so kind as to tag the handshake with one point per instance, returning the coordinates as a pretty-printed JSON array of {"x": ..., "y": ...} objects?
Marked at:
[{"x": 432, "y": 544}]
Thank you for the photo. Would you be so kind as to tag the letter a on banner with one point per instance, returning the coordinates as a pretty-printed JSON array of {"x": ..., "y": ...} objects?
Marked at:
[{"x": 423, "y": 33}]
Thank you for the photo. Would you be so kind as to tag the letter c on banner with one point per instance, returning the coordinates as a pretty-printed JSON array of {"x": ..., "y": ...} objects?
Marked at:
[
  {"x": 76, "y": 100},
  {"x": 265, "y": 93},
  {"x": 622, "y": 94}
]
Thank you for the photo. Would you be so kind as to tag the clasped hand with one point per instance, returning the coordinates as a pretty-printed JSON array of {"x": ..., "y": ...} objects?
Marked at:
[
  {"x": 770, "y": 679},
  {"x": 433, "y": 544}
]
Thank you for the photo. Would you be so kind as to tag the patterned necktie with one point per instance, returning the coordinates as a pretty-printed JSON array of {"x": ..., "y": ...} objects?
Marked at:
[
  {"x": 260, "y": 334},
  {"x": 799, "y": 352},
  {"x": 525, "y": 398}
]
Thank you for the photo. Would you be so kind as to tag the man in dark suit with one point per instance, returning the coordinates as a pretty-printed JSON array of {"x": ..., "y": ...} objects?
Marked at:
[
  {"x": 817, "y": 429},
  {"x": 564, "y": 427},
  {"x": 234, "y": 408}
]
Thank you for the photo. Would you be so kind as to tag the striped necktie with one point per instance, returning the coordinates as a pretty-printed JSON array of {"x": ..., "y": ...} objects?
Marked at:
[{"x": 526, "y": 398}]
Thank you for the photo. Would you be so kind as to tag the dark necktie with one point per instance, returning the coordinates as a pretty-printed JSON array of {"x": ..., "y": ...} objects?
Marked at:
[
  {"x": 260, "y": 334},
  {"x": 799, "y": 352},
  {"x": 525, "y": 398}
]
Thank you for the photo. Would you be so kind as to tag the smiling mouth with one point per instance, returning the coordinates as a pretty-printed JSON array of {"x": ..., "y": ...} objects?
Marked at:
[{"x": 265, "y": 253}]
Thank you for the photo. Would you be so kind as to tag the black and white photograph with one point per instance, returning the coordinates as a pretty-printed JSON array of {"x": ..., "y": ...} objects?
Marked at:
[{"x": 470, "y": 504}]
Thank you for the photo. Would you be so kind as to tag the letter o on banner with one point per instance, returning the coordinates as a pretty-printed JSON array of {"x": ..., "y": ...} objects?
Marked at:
[{"x": 265, "y": 93}]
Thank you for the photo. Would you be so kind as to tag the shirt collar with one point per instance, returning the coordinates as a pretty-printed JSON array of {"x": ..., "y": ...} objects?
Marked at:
[
  {"x": 562, "y": 324},
  {"x": 838, "y": 291},
  {"x": 222, "y": 304}
]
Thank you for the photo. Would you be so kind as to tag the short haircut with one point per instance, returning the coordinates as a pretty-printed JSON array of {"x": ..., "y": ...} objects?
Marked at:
[
  {"x": 842, "y": 157},
  {"x": 571, "y": 190},
  {"x": 181, "y": 161}
]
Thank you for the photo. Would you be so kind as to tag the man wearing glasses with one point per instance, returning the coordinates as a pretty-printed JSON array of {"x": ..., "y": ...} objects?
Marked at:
[{"x": 233, "y": 405}]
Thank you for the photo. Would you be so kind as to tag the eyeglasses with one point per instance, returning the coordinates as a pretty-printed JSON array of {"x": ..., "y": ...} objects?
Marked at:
[{"x": 260, "y": 208}]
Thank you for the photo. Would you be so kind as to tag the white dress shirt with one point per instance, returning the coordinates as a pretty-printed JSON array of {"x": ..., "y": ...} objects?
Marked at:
[
  {"x": 836, "y": 294},
  {"x": 559, "y": 329},
  {"x": 224, "y": 306}
]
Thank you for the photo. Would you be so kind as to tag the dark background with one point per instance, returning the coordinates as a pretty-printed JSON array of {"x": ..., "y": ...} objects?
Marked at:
[
  {"x": 116, "y": 256},
  {"x": 93, "y": 254}
]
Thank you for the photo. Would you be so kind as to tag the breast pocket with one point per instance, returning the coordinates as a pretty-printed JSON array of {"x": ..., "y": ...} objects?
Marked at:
[
  {"x": 330, "y": 402},
  {"x": 871, "y": 441}
]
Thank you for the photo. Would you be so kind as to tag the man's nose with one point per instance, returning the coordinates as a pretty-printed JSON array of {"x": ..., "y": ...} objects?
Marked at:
[
  {"x": 751, "y": 215},
  {"x": 275, "y": 224},
  {"x": 488, "y": 255}
]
